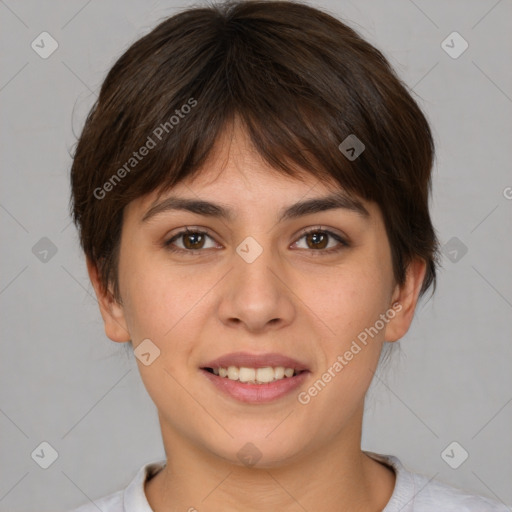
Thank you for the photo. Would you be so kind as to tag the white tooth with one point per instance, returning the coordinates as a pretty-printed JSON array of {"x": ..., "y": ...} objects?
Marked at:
[
  {"x": 246, "y": 374},
  {"x": 254, "y": 375},
  {"x": 233, "y": 372},
  {"x": 265, "y": 374},
  {"x": 288, "y": 372},
  {"x": 279, "y": 372}
]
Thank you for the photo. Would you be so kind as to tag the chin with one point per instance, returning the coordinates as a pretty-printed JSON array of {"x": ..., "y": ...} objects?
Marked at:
[{"x": 256, "y": 451}]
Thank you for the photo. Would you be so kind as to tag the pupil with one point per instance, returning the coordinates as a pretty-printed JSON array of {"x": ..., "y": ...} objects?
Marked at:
[
  {"x": 317, "y": 239},
  {"x": 313, "y": 236},
  {"x": 194, "y": 243}
]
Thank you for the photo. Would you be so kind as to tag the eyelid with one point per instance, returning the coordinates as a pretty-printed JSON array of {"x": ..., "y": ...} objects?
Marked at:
[
  {"x": 341, "y": 238},
  {"x": 187, "y": 229},
  {"x": 324, "y": 229}
]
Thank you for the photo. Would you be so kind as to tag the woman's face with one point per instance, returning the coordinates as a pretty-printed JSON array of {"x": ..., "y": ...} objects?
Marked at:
[{"x": 256, "y": 292}]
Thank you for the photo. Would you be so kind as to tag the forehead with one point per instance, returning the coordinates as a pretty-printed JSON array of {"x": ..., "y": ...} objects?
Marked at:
[
  {"x": 231, "y": 196},
  {"x": 237, "y": 179},
  {"x": 234, "y": 162}
]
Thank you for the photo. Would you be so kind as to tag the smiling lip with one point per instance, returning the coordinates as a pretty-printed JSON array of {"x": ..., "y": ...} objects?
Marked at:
[
  {"x": 255, "y": 361},
  {"x": 256, "y": 393}
]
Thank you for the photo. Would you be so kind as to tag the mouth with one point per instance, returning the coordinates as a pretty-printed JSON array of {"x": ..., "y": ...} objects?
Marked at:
[
  {"x": 263, "y": 375},
  {"x": 253, "y": 378}
]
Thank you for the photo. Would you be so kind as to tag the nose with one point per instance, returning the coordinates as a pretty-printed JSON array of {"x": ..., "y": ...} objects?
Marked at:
[{"x": 256, "y": 295}]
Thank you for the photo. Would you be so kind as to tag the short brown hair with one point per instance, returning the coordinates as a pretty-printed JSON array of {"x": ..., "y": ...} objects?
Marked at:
[{"x": 300, "y": 80}]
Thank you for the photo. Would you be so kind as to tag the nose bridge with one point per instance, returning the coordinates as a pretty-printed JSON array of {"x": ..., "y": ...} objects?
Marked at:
[
  {"x": 256, "y": 294},
  {"x": 255, "y": 263}
]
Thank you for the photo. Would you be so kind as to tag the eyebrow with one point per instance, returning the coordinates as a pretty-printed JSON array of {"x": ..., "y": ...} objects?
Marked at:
[{"x": 332, "y": 201}]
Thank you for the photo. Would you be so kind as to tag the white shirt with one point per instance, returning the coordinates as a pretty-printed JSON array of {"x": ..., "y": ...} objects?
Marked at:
[{"x": 412, "y": 493}]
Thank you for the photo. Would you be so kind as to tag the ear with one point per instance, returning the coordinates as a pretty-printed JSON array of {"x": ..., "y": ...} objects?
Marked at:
[
  {"x": 111, "y": 310},
  {"x": 404, "y": 300}
]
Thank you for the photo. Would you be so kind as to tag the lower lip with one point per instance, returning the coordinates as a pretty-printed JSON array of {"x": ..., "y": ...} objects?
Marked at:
[{"x": 256, "y": 393}]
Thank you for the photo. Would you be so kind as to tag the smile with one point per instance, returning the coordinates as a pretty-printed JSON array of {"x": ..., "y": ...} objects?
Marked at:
[
  {"x": 255, "y": 378},
  {"x": 254, "y": 375}
]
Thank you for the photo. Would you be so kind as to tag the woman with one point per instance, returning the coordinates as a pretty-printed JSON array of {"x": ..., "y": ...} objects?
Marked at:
[{"x": 251, "y": 191}]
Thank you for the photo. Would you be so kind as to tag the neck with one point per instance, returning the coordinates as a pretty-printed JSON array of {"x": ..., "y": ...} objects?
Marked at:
[{"x": 336, "y": 476}]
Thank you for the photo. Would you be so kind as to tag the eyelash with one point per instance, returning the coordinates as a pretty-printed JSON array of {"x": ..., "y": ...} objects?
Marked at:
[{"x": 168, "y": 243}]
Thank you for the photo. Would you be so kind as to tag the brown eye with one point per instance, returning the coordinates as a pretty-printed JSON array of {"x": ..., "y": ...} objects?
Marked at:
[
  {"x": 193, "y": 240},
  {"x": 187, "y": 241},
  {"x": 317, "y": 241}
]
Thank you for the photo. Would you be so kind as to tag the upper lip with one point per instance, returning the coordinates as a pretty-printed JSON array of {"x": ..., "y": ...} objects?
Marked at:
[{"x": 248, "y": 360}]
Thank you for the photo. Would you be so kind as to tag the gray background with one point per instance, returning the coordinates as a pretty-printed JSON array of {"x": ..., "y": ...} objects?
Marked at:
[{"x": 64, "y": 382}]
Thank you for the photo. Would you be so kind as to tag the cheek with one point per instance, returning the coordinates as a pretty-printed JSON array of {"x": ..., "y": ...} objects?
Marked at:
[
  {"x": 146, "y": 296},
  {"x": 353, "y": 299},
  {"x": 351, "y": 307},
  {"x": 160, "y": 301}
]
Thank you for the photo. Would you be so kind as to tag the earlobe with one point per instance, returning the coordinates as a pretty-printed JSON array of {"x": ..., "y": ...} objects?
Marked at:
[
  {"x": 111, "y": 310},
  {"x": 406, "y": 295}
]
